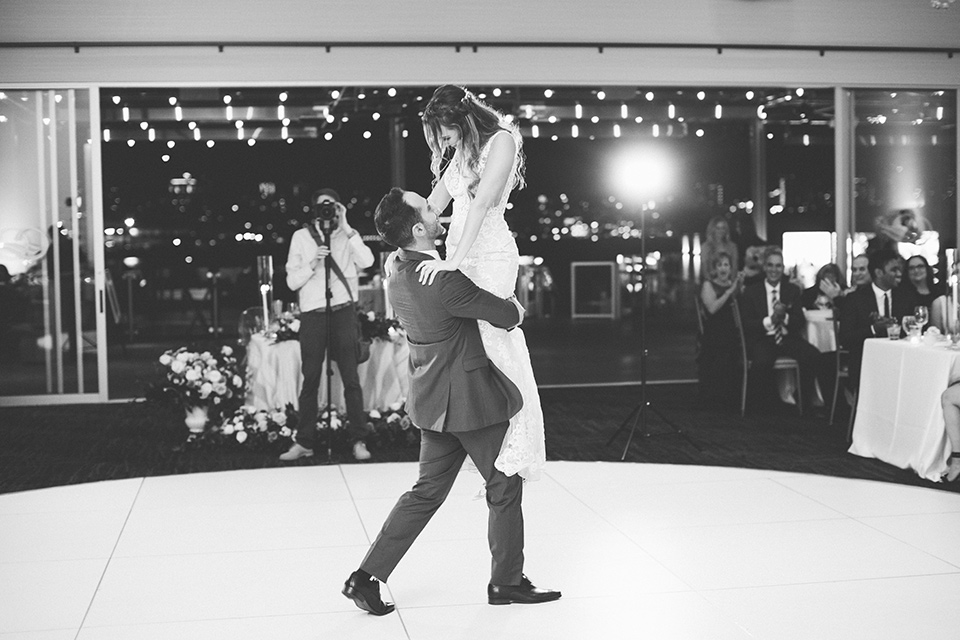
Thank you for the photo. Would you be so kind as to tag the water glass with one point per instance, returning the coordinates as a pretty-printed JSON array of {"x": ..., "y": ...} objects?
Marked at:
[
  {"x": 893, "y": 331},
  {"x": 908, "y": 322},
  {"x": 922, "y": 314}
]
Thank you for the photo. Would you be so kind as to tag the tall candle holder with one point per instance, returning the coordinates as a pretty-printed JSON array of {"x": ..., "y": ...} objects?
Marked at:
[{"x": 265, "y": 276}]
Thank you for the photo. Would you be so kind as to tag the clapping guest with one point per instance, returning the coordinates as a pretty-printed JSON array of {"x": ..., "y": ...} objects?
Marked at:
[
  {"x": 868, "y": 311},
  {"x": 719, "y": 344},
  {"x": 827, "y": 289},
  {"x": 718, "y": 241},
  {"x": 773, "y": 324}
]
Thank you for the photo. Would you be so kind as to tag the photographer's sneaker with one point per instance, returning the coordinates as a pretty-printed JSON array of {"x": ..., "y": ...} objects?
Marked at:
[
  {"x": 296, "y": 452},
  {"x": 360, "y": 451}
]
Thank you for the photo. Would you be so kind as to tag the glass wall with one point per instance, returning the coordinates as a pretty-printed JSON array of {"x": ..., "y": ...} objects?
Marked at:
[
  {"x": 906, "y": 167},
  {"x": 48, "y": 244}
]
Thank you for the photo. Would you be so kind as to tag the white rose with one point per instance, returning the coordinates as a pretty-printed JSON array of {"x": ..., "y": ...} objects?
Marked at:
[
  {"x": 237, "y": 381},
  {"x": 334, "y": 423},
  {"x": 177, "y": 366},
  {"x": 206, "y": 355},
  {"x": 192, "y": 374},
  {"x": 227, "y": 351},
  {"x": 279, "y": 417},
  {"x": 166, "y": 359},
  {"x": 205, "y": 390},
  {"x": 241, "y": 436},
  {"x": 214, "y": 376},
  {"x": 183, "y": 356},
  {"x": 220, "y": 388},
  {"x": 285, "y": 432},
  {"x": 295, "y": 325},
  {"x": 371, "y": 316},
  {"x": 250, "y": 409},
  {"x": 375, "y": 415},
  {"x": 396, "y": 406},
  {"x": 392, "y": 333},
  {"x": 393, "y": 417},
  {"x": 227, "y": 429}
]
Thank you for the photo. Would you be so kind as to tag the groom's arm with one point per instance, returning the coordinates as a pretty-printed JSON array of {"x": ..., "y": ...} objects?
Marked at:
[{"x": 463, "y": 299}]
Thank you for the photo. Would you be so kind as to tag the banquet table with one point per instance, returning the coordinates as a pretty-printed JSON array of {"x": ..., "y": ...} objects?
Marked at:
[
  {"x": 273, "y": 371},
  {"x": 899, "y": 417}
]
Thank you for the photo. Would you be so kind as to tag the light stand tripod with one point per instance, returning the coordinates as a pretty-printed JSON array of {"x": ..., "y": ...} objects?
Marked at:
[{"x": 639, "y": 413}]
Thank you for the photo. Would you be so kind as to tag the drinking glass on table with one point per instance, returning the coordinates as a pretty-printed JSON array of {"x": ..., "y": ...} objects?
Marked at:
[
  {"x": 893, "y": 331},
  {"x": 922, "y": 314},
  {"x": 908, "y": 323}
]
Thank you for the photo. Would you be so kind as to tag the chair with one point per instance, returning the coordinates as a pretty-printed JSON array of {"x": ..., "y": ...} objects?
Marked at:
[
  {"x": 842, "y": 371},
  {"x": 783, "y": 363}
]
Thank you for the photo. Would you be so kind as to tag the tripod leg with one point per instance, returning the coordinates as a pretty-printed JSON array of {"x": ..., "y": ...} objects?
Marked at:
[
  {"x": 623, "y": 425},
  {"x": 641, "y": 417}
]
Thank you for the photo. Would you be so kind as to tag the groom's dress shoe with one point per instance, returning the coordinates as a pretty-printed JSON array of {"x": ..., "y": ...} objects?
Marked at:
[
  {"x": 523, "y": 593},
  {"x": 366, "y": 595}
]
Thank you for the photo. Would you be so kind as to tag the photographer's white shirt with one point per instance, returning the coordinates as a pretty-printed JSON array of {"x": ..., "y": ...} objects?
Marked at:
[{"x": 306, "y": 274}]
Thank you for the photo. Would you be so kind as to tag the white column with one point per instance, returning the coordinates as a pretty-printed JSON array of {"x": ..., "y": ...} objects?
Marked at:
[{"x": 844, "y": 158}]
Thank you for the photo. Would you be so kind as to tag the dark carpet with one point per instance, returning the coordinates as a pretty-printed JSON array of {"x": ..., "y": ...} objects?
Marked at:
[{"x": 58, "y": 445}]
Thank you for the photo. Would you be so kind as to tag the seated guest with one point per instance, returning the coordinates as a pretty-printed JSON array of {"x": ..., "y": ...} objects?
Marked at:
[
  {"x": 868, "y": 311},
  {"x": 826, "y": 290},
  {"x": 950, "y": 399},
  {"x": 773, "y": 325},
  {"x": 859, "y": 272},
  {"x": 720, "y": 342},
  {"x": 919, "y": 282},
  {"x": 753, "y": 264}
]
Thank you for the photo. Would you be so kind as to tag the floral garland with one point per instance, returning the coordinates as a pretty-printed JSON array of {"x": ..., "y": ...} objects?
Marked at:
[{"x": 259, "y": 429}]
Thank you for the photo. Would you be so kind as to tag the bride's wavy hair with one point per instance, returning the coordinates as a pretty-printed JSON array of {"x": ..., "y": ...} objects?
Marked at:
[{"x": 457, "y": 108}]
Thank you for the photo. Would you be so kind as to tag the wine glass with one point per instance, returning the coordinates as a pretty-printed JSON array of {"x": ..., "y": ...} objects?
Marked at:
[
  {"x": 922, "y": 314},
  {"x": 908, "y": 322}
]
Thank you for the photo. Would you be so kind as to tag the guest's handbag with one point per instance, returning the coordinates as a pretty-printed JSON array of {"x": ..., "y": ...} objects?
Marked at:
[{"x": 363, "y": 344}]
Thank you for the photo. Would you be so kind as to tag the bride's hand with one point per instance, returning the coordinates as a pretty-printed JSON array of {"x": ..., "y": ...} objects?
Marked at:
[{"x": 428, "y": 269}]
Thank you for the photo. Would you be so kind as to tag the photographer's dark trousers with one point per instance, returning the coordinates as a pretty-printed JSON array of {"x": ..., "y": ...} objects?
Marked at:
[{"x": 343, "y": 351}]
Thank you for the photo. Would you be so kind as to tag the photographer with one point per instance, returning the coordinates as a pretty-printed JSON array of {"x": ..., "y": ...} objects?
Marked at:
[{"x": 306, "y": 274}]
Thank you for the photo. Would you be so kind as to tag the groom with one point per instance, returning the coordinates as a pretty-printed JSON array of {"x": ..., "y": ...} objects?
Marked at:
[{"x": 460, "y": 401}]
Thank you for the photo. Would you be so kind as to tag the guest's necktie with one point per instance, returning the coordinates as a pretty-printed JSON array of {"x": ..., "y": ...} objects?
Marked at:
[
  {"x": 777, "y": 328},
  {"x": 886, "y": 305}
]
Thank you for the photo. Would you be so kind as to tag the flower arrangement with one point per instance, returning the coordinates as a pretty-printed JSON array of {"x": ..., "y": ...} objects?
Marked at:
[
  {"x": 392, "y": 427},
  {"x": 376, "y": 326},
  {"x": 200, "y": 379},
  {"x": 288, "y": 327},
  {"x": 255, "y": 428}
]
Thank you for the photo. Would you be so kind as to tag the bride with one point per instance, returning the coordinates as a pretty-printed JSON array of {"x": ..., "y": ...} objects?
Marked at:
[{"x": 487, "y": 164}]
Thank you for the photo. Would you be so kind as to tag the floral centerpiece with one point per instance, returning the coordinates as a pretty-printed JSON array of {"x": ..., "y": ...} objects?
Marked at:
[
  {"x": 376, "y": 326},
  {"x": 288, "y": 327},
  {"x": 255, "y": 428},
  {"x": 204, "y": 384}
]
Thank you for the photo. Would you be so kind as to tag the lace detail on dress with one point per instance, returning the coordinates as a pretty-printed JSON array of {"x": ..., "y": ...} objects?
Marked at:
[{"x": 492, "y": 264}]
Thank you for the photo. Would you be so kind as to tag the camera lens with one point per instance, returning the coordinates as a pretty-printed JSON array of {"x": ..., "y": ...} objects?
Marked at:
[{"x": 327, "y": 210}]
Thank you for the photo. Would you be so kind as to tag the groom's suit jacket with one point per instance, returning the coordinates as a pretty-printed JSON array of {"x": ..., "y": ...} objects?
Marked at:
[{"x": 453, "y": 385}]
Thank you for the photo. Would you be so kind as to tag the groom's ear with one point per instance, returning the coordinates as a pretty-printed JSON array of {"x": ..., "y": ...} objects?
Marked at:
[{"x": 418, "y": 229}]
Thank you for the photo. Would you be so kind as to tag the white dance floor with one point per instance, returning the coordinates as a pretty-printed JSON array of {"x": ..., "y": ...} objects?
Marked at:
[{"x": 639, "y": 551}]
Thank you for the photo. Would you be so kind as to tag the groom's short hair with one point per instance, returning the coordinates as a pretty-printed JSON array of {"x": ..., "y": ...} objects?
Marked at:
[{"x": 395, "y": 219}]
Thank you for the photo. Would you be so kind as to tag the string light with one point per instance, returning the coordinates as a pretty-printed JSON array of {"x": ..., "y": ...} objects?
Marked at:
[
  {"x": 574, "y": 131},
  {"x": 616, "y": 131},
  {"x": 106, "y": 135},
  {"x": 548, "y": 93},
  {"x": 535, "y": 131},
  {"x": 577, "y": 111},
  {"x": 178, "y": 113},
  {"x": 601, "y": 95},
  {"x": 718, "y": 111}
]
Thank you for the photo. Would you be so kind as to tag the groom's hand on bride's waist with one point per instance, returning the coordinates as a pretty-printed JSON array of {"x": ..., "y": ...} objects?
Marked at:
[{"x": 520, "y": 310}]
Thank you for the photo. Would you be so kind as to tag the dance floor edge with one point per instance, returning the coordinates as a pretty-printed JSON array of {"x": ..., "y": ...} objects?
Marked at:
[{"x": 639, "y": 550}]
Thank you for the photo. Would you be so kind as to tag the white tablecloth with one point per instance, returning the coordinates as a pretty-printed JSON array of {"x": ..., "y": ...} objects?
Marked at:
[
  {"x": 274, "y": 374},
  {"x": 899, "y": 418},
  {"x": 820, "y": 332}
]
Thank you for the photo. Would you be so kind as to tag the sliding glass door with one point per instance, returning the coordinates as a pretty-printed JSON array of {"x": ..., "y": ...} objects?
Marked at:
[{"x": 52, "y": 334}]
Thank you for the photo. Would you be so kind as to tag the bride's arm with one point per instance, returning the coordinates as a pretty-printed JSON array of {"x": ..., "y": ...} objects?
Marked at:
[
  {"x": 496, "y": 173},
  {"x": 439, "y": 198}
]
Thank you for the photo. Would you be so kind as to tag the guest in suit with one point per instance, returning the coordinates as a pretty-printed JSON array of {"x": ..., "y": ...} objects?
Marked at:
[
  {"x": 458, "y": 399},
  {"x": 827, "y": 289},
  {"x": 859, "y": 272},
  {"x": 773, "y": 325},
  {"x": 868, "y": 311}
]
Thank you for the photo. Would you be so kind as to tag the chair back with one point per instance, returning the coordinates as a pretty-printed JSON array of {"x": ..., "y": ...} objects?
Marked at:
[{"x": 701, "y": 313}]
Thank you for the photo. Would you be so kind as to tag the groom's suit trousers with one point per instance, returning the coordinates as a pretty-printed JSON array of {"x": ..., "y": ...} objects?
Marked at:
[{"x": 441, "y": 456}]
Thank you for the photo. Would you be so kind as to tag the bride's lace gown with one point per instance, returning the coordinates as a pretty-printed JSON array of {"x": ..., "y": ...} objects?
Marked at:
[{"x": 492, "y": 264}]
